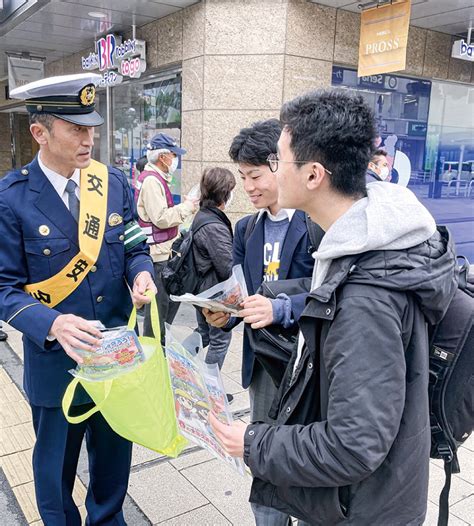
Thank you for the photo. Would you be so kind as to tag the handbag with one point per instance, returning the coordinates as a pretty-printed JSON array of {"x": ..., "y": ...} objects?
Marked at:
[
  {"x": 274, "y": 344},
  {"x": 138, "y": 405}
]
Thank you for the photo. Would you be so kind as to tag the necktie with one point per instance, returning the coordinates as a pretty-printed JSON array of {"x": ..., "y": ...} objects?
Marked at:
[{"x": 73, "y": 201}]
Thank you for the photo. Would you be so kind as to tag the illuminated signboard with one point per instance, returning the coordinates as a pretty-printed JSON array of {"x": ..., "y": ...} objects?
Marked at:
[{"x": 116, "y": 59}]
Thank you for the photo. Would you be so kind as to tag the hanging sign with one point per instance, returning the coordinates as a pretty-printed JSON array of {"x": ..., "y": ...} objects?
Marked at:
[
  {"x": 463, "y": 50},
  {"x": 383, "y": 38},
  {"x": 21, "y": 71},
  {"x": 116, "y": 59}
]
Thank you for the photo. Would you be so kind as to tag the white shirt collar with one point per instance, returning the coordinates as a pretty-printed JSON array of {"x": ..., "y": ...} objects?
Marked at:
[
  {"x": 58, "y": 181},
  {"x": 282, "y": 214}
]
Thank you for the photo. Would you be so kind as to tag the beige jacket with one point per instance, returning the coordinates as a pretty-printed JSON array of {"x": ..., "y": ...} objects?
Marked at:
[{"x": 153, "y": 208}]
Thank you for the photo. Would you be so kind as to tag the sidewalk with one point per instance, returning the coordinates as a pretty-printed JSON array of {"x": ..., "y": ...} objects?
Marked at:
[{"x": 194, "y": 489}]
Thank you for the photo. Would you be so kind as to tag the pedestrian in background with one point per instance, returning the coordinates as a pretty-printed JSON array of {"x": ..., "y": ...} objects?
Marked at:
[
  {"x": 212, "y": 251},
  {"x": 159, "y": 218},
  {"x": 378, "y": 168}
]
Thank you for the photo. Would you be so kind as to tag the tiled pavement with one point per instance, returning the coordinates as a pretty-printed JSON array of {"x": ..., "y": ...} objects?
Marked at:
[{"x": 194, "y": 489}]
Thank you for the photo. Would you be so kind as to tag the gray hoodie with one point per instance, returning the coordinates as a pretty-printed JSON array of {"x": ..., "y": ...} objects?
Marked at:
[{"x": 351, "y": 444}]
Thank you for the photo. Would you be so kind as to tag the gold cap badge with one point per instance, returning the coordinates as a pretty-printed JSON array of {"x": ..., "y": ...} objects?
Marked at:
[
  {"x": 115, "y": 219},
  {"x": 87, "y": 95},
  {"x": 44, "y": 230}
]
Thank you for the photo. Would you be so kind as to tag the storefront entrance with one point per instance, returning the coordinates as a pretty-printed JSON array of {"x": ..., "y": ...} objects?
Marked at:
[{"x": 427, "y": 129}]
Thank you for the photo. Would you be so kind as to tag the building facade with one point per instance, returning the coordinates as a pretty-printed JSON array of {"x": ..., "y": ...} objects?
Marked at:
[{"x": 219, "y": 65}]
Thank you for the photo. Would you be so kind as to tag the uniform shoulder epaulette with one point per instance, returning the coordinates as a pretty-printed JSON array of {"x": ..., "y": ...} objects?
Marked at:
[{"x": 15, "y": 176}]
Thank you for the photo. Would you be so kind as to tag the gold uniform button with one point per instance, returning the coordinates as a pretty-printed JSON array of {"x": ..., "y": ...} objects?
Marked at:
[
  {"x": 99, "y": 298},
  {"x": 47, "y": 252},
  {"x": 24, "y": 171},
  {"x": 93, "y": 268},
  {"x": 121, "y": 237}
]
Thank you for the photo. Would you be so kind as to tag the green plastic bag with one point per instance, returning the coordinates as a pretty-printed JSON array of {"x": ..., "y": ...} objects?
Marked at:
[{"x": 137, "y": 405}]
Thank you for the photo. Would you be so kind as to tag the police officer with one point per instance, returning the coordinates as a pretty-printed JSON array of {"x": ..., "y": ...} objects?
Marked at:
[{"x": 63, "y": 262}]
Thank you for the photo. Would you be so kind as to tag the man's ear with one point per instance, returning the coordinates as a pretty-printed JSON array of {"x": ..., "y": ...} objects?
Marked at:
[
  {"x": 40, "y": 133},
  {"x": 315, "y": 177}
]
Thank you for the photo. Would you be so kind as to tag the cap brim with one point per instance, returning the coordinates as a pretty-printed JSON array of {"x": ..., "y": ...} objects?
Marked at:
[
  {"x": 84, "y": 119},
  {"x": 177, "y": 150}
]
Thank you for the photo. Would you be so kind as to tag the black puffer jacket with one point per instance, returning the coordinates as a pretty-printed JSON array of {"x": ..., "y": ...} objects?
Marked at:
[
  {"x": 212, "y": 247},
  {"x": 353, "y": 436}
]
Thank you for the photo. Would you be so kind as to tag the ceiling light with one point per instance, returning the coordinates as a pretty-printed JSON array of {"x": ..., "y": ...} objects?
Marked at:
[{"x": 97, "y": 14}]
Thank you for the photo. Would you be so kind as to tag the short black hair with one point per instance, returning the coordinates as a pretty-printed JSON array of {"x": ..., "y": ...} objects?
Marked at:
[
  {"x": 141, "y": 163},
  {"x": 253, "y": 145},
  {"x": 378, "y": 153},
  {"x": 336, "y": 128},
  {"x": 46, "y": 119}
]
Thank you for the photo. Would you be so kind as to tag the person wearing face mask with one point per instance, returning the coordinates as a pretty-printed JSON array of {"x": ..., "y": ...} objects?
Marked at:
[
  {"x": 160, "y": 218},
  {"x": 213, "y": 261},
  {"x": 378, "y": 169}
]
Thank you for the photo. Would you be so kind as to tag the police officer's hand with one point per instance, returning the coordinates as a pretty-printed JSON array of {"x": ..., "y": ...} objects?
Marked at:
[
  {"x": 143, "y": 283},
  {"x": 257, "y": 310},
  {"x": 73, "y": 332},
  {"x": 216, "y": 319}
]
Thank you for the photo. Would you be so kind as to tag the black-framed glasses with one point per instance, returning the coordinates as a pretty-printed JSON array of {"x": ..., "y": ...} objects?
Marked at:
[{"x": 273, "y": 161}]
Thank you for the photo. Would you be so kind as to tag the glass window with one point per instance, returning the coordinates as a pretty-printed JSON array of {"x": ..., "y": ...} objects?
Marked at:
[
  {"x": 427, "y": 129},
  {"x": 140, "y": 110}
]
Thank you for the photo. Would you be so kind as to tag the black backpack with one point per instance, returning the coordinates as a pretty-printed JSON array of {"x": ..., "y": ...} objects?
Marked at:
[
  {"x": 451, "y": 387},
  {"x": 180, "y": 274}
]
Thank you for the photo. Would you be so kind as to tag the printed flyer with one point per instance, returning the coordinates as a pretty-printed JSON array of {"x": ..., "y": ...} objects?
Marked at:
[
  {"x": 223, "y": 297},
  {"x": 198, "y": 389}
]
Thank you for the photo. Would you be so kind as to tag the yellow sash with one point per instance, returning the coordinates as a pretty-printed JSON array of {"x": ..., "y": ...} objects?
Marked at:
[{"x": 93, "y": 211}]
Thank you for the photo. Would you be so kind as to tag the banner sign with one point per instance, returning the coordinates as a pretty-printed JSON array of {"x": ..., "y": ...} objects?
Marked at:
[
  {"x": 116, "y": 59},
  {"x": 383, "y": 38},
  {"x": 463, "y": 50},
  {"x": 21, "y": 71}
]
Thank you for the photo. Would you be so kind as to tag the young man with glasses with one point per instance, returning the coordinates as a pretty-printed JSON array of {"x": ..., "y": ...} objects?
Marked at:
[
  {"x": 272, "y": 245},
  {"x": 351, "y": 442}
]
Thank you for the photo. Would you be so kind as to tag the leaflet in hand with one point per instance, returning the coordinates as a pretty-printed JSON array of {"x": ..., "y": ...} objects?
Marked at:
[
  {"x": 198, "y": 389},
  {"x": 119, "y": 352},
  {"x": 223, "y": 297}
]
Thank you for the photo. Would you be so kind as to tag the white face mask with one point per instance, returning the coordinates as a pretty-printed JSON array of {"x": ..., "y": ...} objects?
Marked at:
[
  {"x": 229, "y": 201},
  {"x": 384, "y": 173},
  {"x": 173, "y": 166}
]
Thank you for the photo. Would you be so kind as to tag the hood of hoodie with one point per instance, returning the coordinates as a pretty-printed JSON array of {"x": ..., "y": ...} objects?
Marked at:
[{"x": 389, "y": 240}]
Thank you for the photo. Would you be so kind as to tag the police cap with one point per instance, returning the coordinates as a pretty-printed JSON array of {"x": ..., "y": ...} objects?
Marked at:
[{"x": 67, "y": 97}]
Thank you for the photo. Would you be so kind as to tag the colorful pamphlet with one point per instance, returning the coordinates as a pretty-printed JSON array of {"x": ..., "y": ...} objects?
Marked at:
[{"x": 198, "y": 389}]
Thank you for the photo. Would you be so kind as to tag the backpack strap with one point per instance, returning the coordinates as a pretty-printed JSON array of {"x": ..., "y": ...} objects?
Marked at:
[
  {"x": 444, "y": 495},
  {"x": 250, "y": 226},
  {"x": 197, "y": 225}
]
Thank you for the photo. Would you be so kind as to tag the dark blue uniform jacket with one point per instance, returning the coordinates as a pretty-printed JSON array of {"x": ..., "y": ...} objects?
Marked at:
[{"x": 28, "y": 201}]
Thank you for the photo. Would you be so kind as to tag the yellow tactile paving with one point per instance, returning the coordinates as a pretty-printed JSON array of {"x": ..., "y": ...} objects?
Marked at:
[
  {"x": 9, "y": 392},
  {"x": 14, "y": 413},
  {"x": 18, "y": 468},
  {"x": 4, "y": 378},
  {"x": 79, "y": 493},
  {"x": 25, "y": 495},
  {"x": 16, "y": 438}
]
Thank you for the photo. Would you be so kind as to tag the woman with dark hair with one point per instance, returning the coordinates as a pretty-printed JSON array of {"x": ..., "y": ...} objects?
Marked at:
[{"x": 212, "y": 250}]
